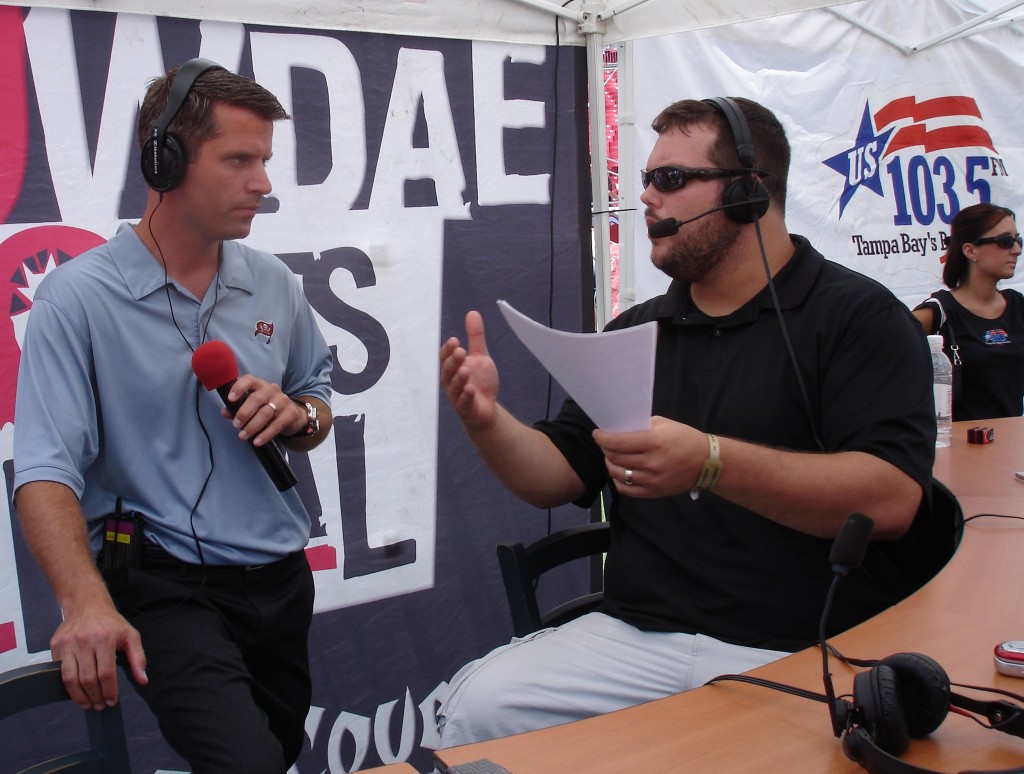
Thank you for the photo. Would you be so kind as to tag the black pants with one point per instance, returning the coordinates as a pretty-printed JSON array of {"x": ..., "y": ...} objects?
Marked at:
[{"x": 227, "y": 658}]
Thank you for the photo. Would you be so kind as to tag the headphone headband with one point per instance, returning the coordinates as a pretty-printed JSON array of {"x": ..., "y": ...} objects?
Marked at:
[
  {"x": 746, "y": 200},
  {"x": 180, "y": 87},
  {"x": 163, "y": 156},
  {"x": 740, "y": 130}
]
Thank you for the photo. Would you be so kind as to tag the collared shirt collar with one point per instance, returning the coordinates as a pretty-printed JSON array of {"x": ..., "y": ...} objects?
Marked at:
[
  {"x": 143, "y": 274},
  {"x": 792, "y": 285}
]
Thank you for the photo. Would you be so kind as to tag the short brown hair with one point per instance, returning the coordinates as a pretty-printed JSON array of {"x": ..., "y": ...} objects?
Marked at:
[
  {"x": 771, "y": 147},
  {"x": 194, "y": 122}
]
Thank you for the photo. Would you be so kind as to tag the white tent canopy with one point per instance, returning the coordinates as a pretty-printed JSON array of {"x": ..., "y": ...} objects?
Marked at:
[
  {"x": 595, "y": 23},
  {"x": 819, "y": 73},
  {"x": 521, "y": 21},
  {"x": 591, "y": 23}
]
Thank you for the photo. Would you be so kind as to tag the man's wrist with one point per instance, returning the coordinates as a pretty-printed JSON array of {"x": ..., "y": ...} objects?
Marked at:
[
  {"x": 311, "y": 426},
  {"x": 712, "y": 467}
]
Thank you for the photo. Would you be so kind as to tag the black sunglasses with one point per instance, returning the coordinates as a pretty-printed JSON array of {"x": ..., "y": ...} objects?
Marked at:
[
  {"x": 1004, "y": 241},
  {"x": 667, "y": 179}
]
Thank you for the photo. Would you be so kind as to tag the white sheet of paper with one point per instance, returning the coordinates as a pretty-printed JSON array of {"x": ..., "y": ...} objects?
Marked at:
[{"x": 609, "y": 374}]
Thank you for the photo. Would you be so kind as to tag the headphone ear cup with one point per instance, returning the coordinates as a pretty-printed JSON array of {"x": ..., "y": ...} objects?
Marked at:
[
  {"x": 924, "y": 688},
  {"x": 876, "y": 693},
  {"x": 745, "y": 201},
  {"x": 856, "y": 744},
  {"x": 166, "y": 171}
]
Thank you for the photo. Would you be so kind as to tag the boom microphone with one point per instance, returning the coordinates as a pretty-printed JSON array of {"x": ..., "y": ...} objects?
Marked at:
[
  {"x": 847, "y": 553},
  {"x": 851, "y": 543},
  {"x": 669, "y": 226},
  {"x": 215, "y": 365}
]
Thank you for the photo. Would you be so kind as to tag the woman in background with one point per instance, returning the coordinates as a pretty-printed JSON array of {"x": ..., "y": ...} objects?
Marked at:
[{"x": 982, "y": 326}]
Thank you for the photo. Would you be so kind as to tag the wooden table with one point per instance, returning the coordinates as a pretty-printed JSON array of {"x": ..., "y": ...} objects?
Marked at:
[{"x": 976, "y": 601}]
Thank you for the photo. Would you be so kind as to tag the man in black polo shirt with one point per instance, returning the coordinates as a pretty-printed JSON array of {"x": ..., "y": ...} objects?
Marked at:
[{"x": 765, "y": 437}]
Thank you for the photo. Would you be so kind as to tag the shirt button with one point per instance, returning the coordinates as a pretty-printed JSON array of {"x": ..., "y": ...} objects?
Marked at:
[{"x": 718, "y": 332}]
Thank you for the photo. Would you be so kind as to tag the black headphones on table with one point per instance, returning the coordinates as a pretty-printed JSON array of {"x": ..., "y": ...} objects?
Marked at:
[
  {"x": 901, "y": 697},
  {"x": 746, "y": 199},
  {"x": 907, "y": 696},
  {"x": 163, "y": 156}
]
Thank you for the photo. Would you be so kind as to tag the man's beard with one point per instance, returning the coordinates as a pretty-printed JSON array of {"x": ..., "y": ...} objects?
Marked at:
[{"x": 701, "y": 250}]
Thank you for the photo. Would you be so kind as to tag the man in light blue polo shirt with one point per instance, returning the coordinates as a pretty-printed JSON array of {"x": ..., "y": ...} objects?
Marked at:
[{"x": 210, "y": 611}]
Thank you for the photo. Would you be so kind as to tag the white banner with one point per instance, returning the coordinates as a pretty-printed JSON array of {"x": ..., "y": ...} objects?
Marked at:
[{"x": 887, "y": 146}]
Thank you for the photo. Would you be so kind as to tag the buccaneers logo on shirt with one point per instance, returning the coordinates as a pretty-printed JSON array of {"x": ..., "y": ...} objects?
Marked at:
[{"x": 264, "y": 329}]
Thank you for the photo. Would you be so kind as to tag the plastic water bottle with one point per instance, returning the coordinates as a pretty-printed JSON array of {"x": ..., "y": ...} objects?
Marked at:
[{"x": 942, "y": 384}]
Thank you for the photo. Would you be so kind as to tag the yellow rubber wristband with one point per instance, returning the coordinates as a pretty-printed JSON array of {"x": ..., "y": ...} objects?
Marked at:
[{"x": 712, "y": 466}]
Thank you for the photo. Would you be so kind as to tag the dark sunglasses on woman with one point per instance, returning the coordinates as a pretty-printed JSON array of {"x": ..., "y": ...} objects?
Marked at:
[{"x": 1005, "y": 241}]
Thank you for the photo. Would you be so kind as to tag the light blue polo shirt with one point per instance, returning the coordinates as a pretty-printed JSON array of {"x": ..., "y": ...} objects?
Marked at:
[{"x": 108, "y": 403}]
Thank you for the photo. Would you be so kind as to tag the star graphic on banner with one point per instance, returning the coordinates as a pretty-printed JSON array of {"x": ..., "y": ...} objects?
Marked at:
[{"x": 860, "y": 165}]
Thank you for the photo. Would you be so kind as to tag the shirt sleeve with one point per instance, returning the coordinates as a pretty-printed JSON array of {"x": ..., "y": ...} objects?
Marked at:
[{"x": 56, "y": 433}]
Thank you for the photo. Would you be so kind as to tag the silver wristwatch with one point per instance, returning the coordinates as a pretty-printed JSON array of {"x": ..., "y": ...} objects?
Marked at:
[{"x": 312, "y": 423}]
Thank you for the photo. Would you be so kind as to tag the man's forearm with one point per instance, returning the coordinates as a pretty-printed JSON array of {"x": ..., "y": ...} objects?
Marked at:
[
  {"x": 814, "y": 493},
  {"x": 526, "y": 461},
  {"x": 56, "y": 533}
]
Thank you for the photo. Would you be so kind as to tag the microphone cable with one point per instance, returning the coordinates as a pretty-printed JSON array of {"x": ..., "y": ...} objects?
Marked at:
[
  {"x": 847, "y": 553},
  {"x": 959, "y": 528},
  {"x": 812, "y": 424},
  {"x": 790, "y": 689},
  {"x": 551, "y": 229},
  {"x": 198, "y": 393}
]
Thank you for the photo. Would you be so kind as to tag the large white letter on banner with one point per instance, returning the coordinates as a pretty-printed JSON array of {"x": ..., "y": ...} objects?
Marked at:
[
  {"x": 273, "y": 57},
  {"x": 87, "y": 191},
  {"x": 419, "y": 77},
  {"x": 493, "y": 115}
]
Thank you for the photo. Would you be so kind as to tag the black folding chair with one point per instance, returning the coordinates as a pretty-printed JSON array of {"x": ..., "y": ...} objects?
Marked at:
[
  {"x": 37, "y": 685},
  {"x": 522, "y": 566}
]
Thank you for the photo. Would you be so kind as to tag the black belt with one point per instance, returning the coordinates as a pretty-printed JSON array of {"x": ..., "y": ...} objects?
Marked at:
[{"x": 154, "y": 557}]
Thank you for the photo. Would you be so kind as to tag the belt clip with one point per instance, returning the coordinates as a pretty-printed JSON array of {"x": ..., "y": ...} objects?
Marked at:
[{"x": 122, "y": 538}]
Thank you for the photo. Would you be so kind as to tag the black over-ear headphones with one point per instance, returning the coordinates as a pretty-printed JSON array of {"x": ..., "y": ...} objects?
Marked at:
[
  {"x": 907, "y": 696},
  {"x": 163, "y": 155},
  {"x": 746, "y": 199}
]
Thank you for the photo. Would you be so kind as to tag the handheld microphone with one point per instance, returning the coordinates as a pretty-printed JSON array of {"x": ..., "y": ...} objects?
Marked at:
[
  {"x": 847, "y": 553},
  {"x": 215, "y": 365}
]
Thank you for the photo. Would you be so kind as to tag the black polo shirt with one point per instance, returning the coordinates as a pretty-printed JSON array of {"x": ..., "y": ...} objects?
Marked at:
[{"x": 710, "y": 566}]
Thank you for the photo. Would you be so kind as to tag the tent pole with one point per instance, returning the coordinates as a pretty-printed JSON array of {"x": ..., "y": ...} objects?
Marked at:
[
  {"x": 547, "y": 5},
  {"x": 903, "y": 47},
  {"x": 625, "y": 5},
  {"x": 627, "y": 184},
  {"x": 971, "y": 24},
  {"x": 958, "y": 31},
  {"x": 593, "y": 29}
]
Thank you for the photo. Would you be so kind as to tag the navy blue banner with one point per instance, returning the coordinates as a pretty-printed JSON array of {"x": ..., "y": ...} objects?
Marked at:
[{"x": 419, "y": 178}]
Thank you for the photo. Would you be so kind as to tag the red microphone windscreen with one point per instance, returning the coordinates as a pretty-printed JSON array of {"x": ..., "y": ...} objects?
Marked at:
[{"x": 215, "y": 364}]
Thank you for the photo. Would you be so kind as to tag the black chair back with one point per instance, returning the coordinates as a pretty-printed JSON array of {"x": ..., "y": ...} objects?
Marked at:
[
  {"x": 522, "y": 566},
  {"x": 38, "y": 685}
]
